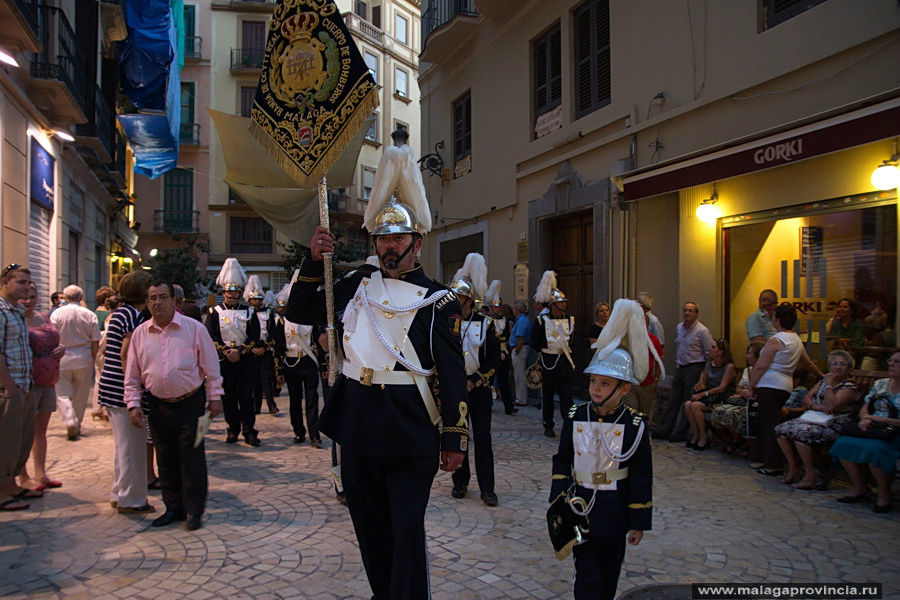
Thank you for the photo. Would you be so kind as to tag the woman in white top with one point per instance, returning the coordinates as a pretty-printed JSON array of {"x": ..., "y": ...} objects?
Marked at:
[{"x": 772, "y": 378}]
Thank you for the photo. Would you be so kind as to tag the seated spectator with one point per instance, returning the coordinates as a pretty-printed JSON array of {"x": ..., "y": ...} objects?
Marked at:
[
  {"x": 729, "y": 418},
  {"x": 601, "y": 316},
  {"x": 881, "y": 410},
  {"x": 793, "y": 406},
  {"x": 836, "y": 395},
  {"x": 843, "y": 327},
  {"x": 715, "y": 385}
]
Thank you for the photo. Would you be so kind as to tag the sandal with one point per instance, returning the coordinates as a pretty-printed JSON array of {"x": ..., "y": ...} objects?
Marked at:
[
  {"x": 154, "y": 484},
  {"x": 30, "y": 494},
  {"x": 801, "y": 485},
  {"x": 790, "y": 479},
  {"x": 18, "y": 504},
  {"x": 52, "y": 484},
  {"x": 854, "y": 499},
  {"x": 769, "y": 472}
]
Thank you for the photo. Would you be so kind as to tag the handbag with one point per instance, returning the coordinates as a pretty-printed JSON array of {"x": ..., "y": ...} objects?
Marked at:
[
  {"x": 816, "y": 418},
  {"x": 751, "y": 428},
  {"x": 876, "y": 431},
  {"x": 565, "y": 527}
]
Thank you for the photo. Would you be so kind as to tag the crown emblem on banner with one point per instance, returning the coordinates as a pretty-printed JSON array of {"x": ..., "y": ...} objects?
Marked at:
[{"x": 300, "y": 26}]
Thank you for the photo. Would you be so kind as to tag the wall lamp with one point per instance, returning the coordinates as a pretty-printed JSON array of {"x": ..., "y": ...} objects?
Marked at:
[
  {"x": 63, "y": 135},
  {"x": 8, "y": 59},
  {"x": 887, "y": 176},
  {"x": 708, "y": 212}
]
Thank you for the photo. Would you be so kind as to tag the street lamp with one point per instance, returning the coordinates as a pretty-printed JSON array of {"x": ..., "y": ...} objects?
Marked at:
[
  {"x": 887, "y": 176},
  {"x": 708, "y": 212}
]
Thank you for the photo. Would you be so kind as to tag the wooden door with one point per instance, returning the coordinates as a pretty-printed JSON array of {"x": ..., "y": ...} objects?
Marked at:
[{"x": 573, "y": 261}]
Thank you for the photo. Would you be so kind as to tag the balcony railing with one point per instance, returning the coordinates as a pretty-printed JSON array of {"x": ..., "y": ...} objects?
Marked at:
[
  {"x": 29, "y": 10},
  {"x": 193, "y": 47},
  {"x": 247, "y": 58},
  {"x": 440, "y": 12},
  {"x": 119, "y": 158},
  {"x": 176, "y": 221},
  {"x": 190, "y": 134},
  {"x": 252, "y": 3},
  {"x": 59, "y": 58},
  {"x": 357, "y": 23}
]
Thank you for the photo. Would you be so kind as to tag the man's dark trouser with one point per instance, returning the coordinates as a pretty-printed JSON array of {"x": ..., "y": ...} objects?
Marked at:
[
  {"x": 237, "y": 402},
  {"x": 673, "y": 424},
  {"x": 557, "y": 380},
  {"x": 597, "y": 566},
  {"x": 387, "y": 497},
  {"x": 480, "y": 417},
  {"x": 502, "y": 378},
  {"x": 263, "y": 381},
  {"x": 182, "y": 467},
  {"x": 303, "y": 381}
]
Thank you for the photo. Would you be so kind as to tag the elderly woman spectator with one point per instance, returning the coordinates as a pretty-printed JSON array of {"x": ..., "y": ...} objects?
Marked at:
[
  {"x": 46, "y": 352},
  {"x": 601, "y": 316},
  {"x": 844, "y": 327},
  {"x": 880, "y": 452},
  {"x": 104, "y": 292},
  {"x": 729, "y": 419},
  {"x": 835, "y": 396},
  {"x": 715, "y": 385},
  {"x": 129, "y": 490},
  {"x": 772, "y": 381}
]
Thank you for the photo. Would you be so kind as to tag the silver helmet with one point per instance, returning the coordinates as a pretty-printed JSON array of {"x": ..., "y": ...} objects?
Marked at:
[
  {"x": 394, "y": 218},
  {"x": 617, "y": 365},
  {"x": 463, "y": 287},
  {"x": 557, "y": 296}
]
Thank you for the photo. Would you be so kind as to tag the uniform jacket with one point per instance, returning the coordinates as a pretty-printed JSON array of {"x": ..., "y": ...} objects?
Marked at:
[
  {"x": 212, "y": 325},
  {"x": 488, "y": 353},
  {"x": 276, "y": 330},
  {"x": 627, "y": 507},
  {"x": 539, "y": 342},
  {"x": 391, "y": 420}
]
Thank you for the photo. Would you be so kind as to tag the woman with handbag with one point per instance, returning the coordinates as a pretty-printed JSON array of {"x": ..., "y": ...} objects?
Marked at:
[
  {"x": 880, "y": 448},
  {"x": 830, "y": 404}
]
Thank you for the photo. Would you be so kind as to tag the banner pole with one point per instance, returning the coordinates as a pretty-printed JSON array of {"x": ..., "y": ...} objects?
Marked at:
[{"x": 329, "y": 284}]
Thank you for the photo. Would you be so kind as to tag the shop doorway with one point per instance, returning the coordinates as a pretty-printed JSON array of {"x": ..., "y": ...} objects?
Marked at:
[
  {"x": 814, "y": 256},
  {"x": 572, "y": 257}
]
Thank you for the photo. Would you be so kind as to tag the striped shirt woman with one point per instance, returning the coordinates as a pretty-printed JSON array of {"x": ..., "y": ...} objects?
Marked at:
[{"x": 112, "y": 379}]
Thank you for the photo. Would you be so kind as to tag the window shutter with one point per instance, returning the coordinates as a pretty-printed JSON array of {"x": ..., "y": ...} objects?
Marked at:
[
  {"x": 458, "y": 132},
  {"x": 601, "y": 41},
  {"x": 540, "y": 76},
  {"x": 555, "y": 68},
  {"x": 583, "y": 60}
]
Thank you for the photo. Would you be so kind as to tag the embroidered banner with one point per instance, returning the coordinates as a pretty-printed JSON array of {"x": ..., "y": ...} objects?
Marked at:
[{"x": 315, "y": 90}]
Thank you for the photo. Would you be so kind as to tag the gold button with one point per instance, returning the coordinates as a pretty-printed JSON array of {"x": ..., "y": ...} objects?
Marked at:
[
  {"x": 618, "y": 433},
  {"x": 385, "y": 302},
  {"x": 365, "y": 282},
  {"x": 579, "y": 430},
  {"x": 382, "y": 386},
  {"x": 396, "y": 349},
  {"x": 347, "y": 338},
  {"x": 387, "y": 369},
  {"x": 357, "y": 298},
  {"x": 578, "y": 453},
  {"x": 421, "y": 293}
]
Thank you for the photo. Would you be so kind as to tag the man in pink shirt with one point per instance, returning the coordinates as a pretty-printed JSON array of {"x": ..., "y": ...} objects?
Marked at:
[{"x": 172, "y": 363}]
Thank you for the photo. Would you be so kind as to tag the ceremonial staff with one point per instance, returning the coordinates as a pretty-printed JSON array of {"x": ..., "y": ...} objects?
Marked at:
[{"x": 327, "y": 258}]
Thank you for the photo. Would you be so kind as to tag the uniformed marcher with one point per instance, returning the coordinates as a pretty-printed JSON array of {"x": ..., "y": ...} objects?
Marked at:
[
  {"x": 399, "y": 331},
  {"x": 235, "y": 332},
  {"x": 481, "y": 352},
  {"x": 263, "y": 361},
  {"x": 299, "y": 367},
  {"x": 503, "y": 329},
  {"x": 603, "y": 470},
  {"x": 551, "y": 337}
]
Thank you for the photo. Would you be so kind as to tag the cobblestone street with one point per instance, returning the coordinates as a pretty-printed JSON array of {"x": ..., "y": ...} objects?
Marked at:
[{"x": 274, "y": 530}]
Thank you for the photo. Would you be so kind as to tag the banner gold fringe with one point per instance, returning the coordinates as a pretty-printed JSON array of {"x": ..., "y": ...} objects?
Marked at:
[{"x": 310, "y": 181}]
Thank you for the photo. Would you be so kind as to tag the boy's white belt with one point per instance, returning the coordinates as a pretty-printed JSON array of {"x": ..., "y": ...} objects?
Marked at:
[
  {"x": 602, "y": 477},
  {"x": 367, "y": 376}
]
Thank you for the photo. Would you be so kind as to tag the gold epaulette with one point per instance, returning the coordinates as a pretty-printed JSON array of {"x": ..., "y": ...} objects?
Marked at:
[
  {"x": 447, "y": 299},
  {"x": 557, "y": 476},
  {"x": 640, "y": 505}
]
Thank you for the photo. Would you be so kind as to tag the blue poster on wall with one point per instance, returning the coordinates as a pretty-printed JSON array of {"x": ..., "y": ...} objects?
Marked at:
[{"x": 42, "y": 175}]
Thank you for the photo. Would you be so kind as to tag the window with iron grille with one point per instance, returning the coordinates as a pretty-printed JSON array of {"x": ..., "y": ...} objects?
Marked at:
[
  {"x": 546, "y": 56},
  {"x": 593, "y": 82},
  {"x": 178, "y": 190},
  {"x": 249, "y": 235},
  {"x": 187, "y": 102},
  {"x": 248, "y": 94},
  {"x": 775, "y": 12},
  {"x": 462, "y": 127}
]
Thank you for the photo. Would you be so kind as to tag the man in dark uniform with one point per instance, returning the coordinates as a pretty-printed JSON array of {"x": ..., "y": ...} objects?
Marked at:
[
  {"x": 503, "y": 329},
  {"x": 398, "y": 329},
  {"x": 235, "y": 332},
  {"x": 551, "y": 337},
  {"x": 263, "y": 360},
  {"x": 481, "y": 352},
  {"x": 298, "y": 366}
]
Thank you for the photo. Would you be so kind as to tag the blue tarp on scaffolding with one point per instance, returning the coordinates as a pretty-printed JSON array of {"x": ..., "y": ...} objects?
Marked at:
[{"x": 151, "y": 79}]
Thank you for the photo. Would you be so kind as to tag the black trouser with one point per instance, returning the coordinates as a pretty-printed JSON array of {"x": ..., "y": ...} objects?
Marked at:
[
  {"x": 597, "y": 565},
  {"x": 182, "y": 467},
  {"x": 387, "y": 498},
  {"x": 503, "y": 384},
  {"x": 480, "y": 416},
  {"x": 673, "y": 424},
  {"x": 770, "y": 402},
  {"x": 557, "y": 380},
  {"x": 303, "y": 381},
  {"x": 237, "y": 402},
  {"x": 264, "y": 381},
  {"x": 335, "y": 447}
]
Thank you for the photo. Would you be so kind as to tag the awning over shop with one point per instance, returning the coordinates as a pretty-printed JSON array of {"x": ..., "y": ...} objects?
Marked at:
[
  {"x": 255, "y": 176},
  {"x": 151, "y": 80},
  {"x": 870, "y": 124}
]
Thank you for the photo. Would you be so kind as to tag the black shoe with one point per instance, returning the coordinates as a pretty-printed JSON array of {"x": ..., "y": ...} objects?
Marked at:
[
  {"x": 193, "y": 523},
  {"x": 691, "y": 445},
  {"x": 489, "y": 498},
  {"x": 341, "y": 497},
  {"x": 704, "y": 446},
  {"x": 881, "y": 509},
  {"x": 512, "y": 411},
  {"x": 252, "y": 440},
  {"x": 459, "y": 491},
  {"x": 167, "y": 518},
  {"x": 299, "y": 439},
  {"x": 316, "y": 443},
  {"x": 548, "y": 431},
  {"x": 854, "y": 499},
  {"x": 231, "y": 438},
  {"x": 273, "y": 409}
]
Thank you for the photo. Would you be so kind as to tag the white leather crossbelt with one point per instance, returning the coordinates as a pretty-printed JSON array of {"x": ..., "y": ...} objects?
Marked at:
[{"x": 367, "y": 376}]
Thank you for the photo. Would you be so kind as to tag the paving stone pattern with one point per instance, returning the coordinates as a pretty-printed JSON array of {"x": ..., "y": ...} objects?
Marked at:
[{"x": 274, "y": 530}]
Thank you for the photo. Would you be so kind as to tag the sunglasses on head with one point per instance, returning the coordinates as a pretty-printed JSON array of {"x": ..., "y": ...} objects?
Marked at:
[{"x": 9, "y": 268}]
